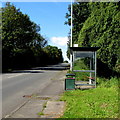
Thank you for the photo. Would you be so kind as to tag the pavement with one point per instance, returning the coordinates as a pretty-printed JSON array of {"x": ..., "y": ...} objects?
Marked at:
[{"x": 44, "y": 104}]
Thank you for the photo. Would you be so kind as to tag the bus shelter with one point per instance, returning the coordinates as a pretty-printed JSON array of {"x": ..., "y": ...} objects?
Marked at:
[{"x": 84, "y": 61}]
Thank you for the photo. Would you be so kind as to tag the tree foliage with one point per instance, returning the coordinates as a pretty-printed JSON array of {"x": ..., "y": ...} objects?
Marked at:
[
  {"x": 54, "y": 55},
  {"x": 19, "y": 36},
  {"x": 79, "y": 14},
  {"x": 100, "y": 28},
  {"x": 18, "y": 30},
  {"x": 22, "y": 44}
]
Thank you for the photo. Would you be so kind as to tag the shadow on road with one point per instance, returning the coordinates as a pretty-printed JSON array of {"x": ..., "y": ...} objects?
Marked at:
[
  {"x": 51, "y": 68},
  {"x": 61, "y": 66},
  {"x": 27, "y": 71},
  {"x": 24, "y": 71}
]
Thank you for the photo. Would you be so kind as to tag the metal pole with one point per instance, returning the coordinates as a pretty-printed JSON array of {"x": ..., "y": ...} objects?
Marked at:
[
  {"x": 71, "y": 40},
  {"x": 90, "y": 81},
  {"x": 71, "y": 22},
  {"x": 95, "y": 68}
]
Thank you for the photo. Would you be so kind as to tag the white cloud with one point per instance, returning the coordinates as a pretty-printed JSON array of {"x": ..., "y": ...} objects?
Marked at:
[{"x": 59, "y": 41}]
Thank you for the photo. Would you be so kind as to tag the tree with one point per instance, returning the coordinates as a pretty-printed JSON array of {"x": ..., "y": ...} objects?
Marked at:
[
  {"x": 53, "y": 55},
  {"x": 99, "y": 27},
  {"x": 19, "y": 34},
  {"x": 80, "y": 13},
  {"x": 102, "y": 29}
]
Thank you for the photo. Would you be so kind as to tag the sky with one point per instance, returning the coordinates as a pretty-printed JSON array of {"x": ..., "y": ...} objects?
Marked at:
[{"x": 51, "y": 17}]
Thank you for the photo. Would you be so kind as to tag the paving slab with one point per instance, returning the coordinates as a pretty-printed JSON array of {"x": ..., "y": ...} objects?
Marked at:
[
  {"x": 30, "y": 110},
  {"x": 50, "y": 94},
  {"x": 54, "y": 109}
]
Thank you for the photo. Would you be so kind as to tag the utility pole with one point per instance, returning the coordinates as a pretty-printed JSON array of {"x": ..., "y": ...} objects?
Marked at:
[{"x": 71, "y": 65}]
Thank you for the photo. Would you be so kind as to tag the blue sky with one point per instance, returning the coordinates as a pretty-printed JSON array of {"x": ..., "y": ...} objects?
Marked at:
[{"x": 51, "y": 17}]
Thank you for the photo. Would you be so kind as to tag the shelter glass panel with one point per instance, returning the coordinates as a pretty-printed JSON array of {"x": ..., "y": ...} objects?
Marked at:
[{"x": 83, "y": 60}]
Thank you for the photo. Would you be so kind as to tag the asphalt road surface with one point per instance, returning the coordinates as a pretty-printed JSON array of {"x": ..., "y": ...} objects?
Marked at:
[{"x": 25, "y": 82}]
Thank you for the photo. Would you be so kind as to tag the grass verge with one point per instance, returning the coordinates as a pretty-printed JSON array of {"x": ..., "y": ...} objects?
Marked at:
[{"x": 101, "y": 102}]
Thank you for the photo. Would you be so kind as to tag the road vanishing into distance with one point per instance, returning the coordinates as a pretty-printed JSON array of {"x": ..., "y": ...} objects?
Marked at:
[{"x": 25, "y": 82}]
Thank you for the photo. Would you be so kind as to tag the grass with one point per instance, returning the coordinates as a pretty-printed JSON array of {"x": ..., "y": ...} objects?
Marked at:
[
  {"x": 80, "y": 75},
  {"x": 101, "y": 102},
  {"x": 40, "y": 113},
  {"x": 80, "y": 65}
]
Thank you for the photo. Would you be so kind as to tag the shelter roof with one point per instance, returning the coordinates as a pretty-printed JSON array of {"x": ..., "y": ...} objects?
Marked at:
[{"x": 84, "y": 48}]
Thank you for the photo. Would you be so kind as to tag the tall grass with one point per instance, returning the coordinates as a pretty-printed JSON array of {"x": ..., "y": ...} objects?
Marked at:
[{"x": 107, "y": 83}]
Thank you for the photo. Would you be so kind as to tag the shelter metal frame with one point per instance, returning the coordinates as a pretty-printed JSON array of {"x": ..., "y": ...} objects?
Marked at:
[{"x": 79, "y": 52}]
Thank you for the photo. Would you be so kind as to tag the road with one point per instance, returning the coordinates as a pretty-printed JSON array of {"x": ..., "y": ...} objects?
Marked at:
[{"x": 25, "y": 82}]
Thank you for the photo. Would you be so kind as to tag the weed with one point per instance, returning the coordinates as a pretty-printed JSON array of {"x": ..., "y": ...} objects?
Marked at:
[
  {"x": 44, "y": 105},
  {"x": 40, "y": 113}
]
